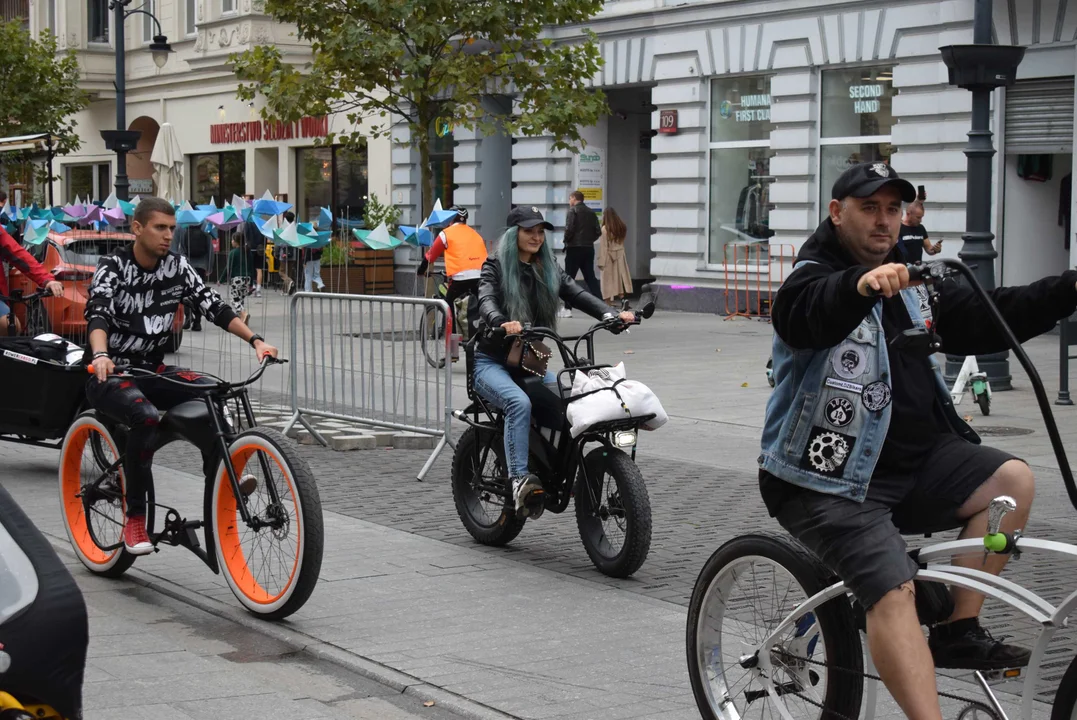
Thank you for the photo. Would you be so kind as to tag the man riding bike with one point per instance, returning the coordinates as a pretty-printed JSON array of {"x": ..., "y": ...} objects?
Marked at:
[
  {"x": 132, "y": 301},
  {"x": 465, "y": 252},
  {"x": 861, "y": 441},
  {"x": 16, "y": 256}
]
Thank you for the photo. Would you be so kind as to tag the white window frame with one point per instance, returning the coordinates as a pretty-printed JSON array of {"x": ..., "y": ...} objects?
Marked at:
[
  {"x": 726, "y": 145},
  {"x": 50, "y": 16},
  {"x": 149, "y": 28},
  {"x": 846, "y": 140},
  {"x": 108, "y": 20},
  {"x": 190, "y": 18},
  {"x": 226, "y": 10},
  {"x": 99, "y": 192}
]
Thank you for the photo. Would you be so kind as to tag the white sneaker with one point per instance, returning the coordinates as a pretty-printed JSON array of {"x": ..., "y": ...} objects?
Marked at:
[
  {"x": 564, "y": 312},
  {"x": 529, "y": 496}
]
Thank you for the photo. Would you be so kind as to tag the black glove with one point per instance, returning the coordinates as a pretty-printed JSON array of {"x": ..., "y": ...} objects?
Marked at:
[{"x": 422, "y": 267}]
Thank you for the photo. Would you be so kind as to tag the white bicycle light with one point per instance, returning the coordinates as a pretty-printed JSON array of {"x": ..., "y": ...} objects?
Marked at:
[{"x": 625, "y": 438}]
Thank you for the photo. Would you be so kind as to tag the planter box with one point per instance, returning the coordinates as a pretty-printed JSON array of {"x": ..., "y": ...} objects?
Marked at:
[{"x": 355, "y": 280}]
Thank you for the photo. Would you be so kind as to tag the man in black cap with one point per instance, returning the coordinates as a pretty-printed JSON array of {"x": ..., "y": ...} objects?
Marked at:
[{"x": 861, "y": 441}]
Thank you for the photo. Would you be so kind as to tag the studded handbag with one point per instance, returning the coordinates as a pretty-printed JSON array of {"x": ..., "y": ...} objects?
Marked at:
[{"x": 530, "y": 356}]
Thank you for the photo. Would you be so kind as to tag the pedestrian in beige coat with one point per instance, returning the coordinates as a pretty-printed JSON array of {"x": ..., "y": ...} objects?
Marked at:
[{"x": 616, "y": 278}]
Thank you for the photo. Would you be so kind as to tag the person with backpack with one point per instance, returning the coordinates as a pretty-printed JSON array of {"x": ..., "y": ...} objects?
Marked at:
[{"x": 195, "y": 244}]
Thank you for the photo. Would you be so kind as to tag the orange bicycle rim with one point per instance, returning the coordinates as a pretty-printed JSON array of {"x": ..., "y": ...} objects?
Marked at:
[
  {"x": 71, "y": 487},
  {"x": 229, "y": 524}
]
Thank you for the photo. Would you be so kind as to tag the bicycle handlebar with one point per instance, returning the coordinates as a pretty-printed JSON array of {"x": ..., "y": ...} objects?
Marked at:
[
  {"x": 614, "y": 324},
  {"x": 25, "y": 298},
  {"x": 220, "y": 385}
]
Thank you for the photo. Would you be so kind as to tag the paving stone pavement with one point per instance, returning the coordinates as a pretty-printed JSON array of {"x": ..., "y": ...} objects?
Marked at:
[{"x": 151, "y": 656}]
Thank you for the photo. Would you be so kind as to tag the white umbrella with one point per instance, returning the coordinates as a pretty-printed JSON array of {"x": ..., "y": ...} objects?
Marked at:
[{"x": 167, "y": 159}]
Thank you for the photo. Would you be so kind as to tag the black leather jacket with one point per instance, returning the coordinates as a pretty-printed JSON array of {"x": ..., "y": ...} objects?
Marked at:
[{"x": 490, "y": 314}]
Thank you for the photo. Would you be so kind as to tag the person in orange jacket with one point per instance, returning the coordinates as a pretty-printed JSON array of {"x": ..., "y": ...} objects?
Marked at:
[{"x": 464, "y": 251}]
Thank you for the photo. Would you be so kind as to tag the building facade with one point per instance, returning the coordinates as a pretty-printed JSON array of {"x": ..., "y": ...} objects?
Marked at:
[
  {"x": 228, "y": 149},
  {"x": 730, "y": 121}
]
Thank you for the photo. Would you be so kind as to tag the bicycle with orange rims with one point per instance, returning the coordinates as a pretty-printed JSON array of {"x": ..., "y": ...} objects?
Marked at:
[{"x": 262, "y": 512}]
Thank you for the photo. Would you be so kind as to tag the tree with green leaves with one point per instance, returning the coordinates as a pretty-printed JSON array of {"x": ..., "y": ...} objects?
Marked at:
[
  {"x": 40, "y": 91},
  {"x": 429, "y": 63}
]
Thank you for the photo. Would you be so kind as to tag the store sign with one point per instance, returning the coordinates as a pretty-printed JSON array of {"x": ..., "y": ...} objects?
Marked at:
[
  {"x": 753, "y": 108},
  {"x": 866, "y": 98},
  {"x": 271, "y": 130},
  {"x": 667, "y": 122},
  {"x": 140, "y": 186},
  {"x": 591, "y": 175}
]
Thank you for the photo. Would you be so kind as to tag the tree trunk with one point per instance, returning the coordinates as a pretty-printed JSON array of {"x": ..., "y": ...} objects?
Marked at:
[{"x": 426, "y": 191}]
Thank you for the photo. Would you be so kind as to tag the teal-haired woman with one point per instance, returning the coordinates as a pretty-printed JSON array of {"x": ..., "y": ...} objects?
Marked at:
[{"x": 521, "y": 284}]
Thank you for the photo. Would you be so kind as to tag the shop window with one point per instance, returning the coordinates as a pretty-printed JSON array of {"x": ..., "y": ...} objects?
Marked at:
[
  {"x": 218, "y": 176},
  {"x": 98, "y": 21},
  {"x": 740, "y": 179},
  {"x": 855, "y": 124},
  {"x": 333, "y": 177},
  {"x": 442, "y": 163},
  {"x": 89, "y": 182}
]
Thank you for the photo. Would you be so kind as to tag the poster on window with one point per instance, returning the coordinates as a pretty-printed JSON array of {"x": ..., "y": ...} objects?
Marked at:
[{"x": 591, "y": 176}]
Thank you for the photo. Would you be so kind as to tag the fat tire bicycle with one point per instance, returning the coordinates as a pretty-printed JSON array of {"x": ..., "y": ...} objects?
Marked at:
[
  {"x": 613, "y": 509},
  {"x": 771, "y": 631},
  {"x": 284, "y": 507}
]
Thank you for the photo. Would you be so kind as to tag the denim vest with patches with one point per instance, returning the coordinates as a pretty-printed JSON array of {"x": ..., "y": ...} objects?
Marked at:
[{"x": 829, "y": 414}]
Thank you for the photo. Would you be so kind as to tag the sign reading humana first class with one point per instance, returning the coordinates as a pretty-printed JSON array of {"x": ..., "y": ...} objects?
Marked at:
[{"x": 271, "y": 130}]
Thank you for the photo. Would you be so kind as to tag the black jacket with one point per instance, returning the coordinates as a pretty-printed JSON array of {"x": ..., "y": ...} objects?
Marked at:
[
  {"x": 581, "y": 226},
  {"x": 490, "y": 314},
  {"x": 818, "y": 305}
]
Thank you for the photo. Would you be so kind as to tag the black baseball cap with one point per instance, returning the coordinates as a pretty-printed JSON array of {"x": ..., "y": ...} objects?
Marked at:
[
  {"x": 527, "y": 217},
  {"x": 864, "y": 180}
]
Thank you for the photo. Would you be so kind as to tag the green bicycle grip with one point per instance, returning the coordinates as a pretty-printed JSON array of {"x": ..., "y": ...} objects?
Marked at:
[{"x": 997, "y": 542}]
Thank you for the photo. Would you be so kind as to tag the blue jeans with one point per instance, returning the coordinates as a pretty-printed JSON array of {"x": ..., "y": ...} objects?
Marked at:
[
  {"x": 493, "y": 381},
  {"x": 312, "y": 273}
]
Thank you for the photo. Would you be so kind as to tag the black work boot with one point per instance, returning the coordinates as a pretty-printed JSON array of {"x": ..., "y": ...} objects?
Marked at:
[{"x": 964, "y": 645}]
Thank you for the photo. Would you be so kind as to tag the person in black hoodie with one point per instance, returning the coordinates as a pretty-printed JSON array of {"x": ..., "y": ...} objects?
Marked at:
[
  {"x": 522, "y": 284},
  {"x": 581, "y": 231},
  {"x": 839, "y": 397}
]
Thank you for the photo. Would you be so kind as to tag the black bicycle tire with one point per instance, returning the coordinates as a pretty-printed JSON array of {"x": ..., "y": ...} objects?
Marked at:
[
  {"x": 984, "y": 401},
  {"x": 844, "y": 696},
  {"x": 37, "y": 307},
  {"x": 637, "y": 505},
  {"x": 428, "y": 340},
  {"x": 313, "y": 522},
  {"x": 508, "y": 526},
  {"x": 1065, "y": 704}
]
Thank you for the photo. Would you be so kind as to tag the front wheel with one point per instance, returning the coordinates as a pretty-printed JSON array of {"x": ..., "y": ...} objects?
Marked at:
[
  {"x": 432, "y": 336},
  {"x": 480, "y": 490},
  {"x": 814, "y": 668},
  {"x": 613, "y": 512},
  {"x": 1065, "y": 707},
  {"x": 92, "y": 497},
  {"x": 984, "y": 401},
  {"x": 271, "y": 564}
]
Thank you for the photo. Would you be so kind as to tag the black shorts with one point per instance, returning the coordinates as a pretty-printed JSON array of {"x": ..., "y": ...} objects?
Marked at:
[{"x": 862, "y": 542}]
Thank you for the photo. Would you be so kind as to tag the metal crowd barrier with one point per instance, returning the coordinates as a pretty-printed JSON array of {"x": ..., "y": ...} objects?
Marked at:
[
  {"x": 1067, "y": 337},
  {"x": 371, "y": 359}
]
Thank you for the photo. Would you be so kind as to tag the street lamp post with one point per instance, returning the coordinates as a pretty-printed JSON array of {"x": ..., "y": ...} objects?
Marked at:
[
  {"x": 121, "y": 140},
  {"x": 981, "y": 67}
]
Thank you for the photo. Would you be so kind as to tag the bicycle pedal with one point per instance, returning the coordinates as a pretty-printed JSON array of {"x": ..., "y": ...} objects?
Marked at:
[{"x": 995, "y": 677}]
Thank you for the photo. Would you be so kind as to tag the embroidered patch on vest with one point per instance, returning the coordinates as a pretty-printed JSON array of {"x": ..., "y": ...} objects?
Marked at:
[
  {"x": 844, "y": 385},
  {"x": 839, "y": 412},
  {"x": 827, "y": 452},
  {"x": 849, "y": 360},
  {"x": 876, "y": 396}
]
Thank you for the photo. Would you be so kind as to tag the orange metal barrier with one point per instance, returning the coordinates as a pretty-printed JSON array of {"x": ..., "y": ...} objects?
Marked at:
[{"x": 752, "y": 274}]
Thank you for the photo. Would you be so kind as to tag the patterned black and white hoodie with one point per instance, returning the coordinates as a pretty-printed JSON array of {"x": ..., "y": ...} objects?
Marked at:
[{"x": 137, "y": 307}]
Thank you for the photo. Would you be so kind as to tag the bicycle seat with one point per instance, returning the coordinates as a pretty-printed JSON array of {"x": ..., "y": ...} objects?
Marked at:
[{"x": 189, "y": 421}]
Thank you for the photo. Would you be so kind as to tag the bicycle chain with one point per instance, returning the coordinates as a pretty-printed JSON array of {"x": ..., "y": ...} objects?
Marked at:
[{"x": 861, "y": 673}]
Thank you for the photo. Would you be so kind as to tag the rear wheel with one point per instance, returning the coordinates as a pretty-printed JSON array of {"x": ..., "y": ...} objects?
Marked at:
[
  {"x": 271, "y": 565},
  {"x": 614, "y": 513},
  {"x": 478, "y": 474},
  {"x": 1065, "y": 707},
  {"x": 92, "y": 497},
  {"x": 432, "y": 336},
  {"x": 815, "y": 667}
]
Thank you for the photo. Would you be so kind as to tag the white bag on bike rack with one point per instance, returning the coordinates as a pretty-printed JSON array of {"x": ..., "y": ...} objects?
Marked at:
[{"x": 603, "y": 394}]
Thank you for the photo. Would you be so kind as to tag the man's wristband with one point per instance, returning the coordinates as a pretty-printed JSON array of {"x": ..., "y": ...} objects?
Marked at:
[
  {"x": 255, "y": 338},
  {"x": 100, "y": 354}
]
